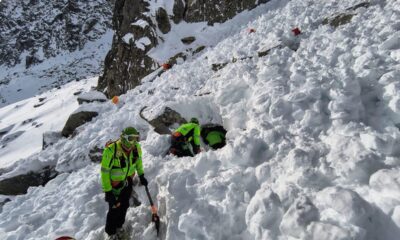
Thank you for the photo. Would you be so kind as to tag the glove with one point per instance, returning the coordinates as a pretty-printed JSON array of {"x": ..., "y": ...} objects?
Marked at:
[
  {"x": 110, "y": 198},
  {"x": 196, "y": 149},
  {"x": 143, "y": 180}
]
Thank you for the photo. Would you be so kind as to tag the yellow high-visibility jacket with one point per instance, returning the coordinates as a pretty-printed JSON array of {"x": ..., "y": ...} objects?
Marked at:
[{"x": 117, "y": 169}]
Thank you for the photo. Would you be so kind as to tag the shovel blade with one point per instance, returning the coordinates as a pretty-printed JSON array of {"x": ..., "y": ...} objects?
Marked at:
[{"x": 156, "y": 220}]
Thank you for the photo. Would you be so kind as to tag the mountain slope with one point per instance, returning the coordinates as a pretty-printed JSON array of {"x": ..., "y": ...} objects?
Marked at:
[
  {"x": 45, "y": 44},
  {"x": 312, "y": 138},
  {"x": 42, "y": 29}
]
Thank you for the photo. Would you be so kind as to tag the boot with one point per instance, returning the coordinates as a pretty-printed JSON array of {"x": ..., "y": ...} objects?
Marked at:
[{"x": 122, "y": 234}]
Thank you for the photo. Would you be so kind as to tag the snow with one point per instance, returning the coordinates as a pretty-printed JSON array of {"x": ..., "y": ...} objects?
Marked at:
[
  {"x": 53, "y": 72},
  {"x": 141, "y": 23},
  {"x": 93, "y": 96},
  {"x": 27, "y": 120},
  {"x": 128, "y": 37},
  {"x": 311, "y": 142},
  {"x": 142, "y": 43},
  {"x": 205, "y": 35}
]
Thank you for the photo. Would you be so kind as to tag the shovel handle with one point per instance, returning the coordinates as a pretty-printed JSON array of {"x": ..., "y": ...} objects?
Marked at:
[{"x": 148, "y": 196}]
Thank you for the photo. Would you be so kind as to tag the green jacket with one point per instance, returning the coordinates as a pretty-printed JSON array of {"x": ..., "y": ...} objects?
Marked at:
[
  {"x": 118, "y": 169},
  {"x": 215, "y": 137},
  {"x": 191, "y": 131}
]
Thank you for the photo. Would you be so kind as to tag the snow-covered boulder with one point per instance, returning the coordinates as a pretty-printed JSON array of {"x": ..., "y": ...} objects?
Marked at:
[
  {"x": 164, "y": 121},
  {"x": 91, "y": 96},
  {"x": 85, "y": 113}
]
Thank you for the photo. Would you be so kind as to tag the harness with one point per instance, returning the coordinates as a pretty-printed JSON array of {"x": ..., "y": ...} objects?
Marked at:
[{"x": 117, "y": 189}]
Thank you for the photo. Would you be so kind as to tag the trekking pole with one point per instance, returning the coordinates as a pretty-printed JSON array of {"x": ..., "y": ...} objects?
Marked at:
[{"x": 154, "y": 218}]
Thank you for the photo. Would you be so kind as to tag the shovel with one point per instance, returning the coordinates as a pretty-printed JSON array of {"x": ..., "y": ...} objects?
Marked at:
[{"x": 154, "y": 218}]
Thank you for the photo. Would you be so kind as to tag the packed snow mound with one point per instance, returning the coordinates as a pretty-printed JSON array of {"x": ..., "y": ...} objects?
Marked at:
[{"x": 311, "y": 142}]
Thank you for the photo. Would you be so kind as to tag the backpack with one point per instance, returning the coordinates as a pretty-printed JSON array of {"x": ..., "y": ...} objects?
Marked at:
[{"x": 108, "y": 143}]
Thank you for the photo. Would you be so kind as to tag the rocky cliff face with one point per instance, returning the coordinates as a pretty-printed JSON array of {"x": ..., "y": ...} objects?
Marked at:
[
  {"x": 135, "y": 35},
  {"x": 140, "y": 25},
  {"x": 33, "y": 30},
  {"x": 210, "y": 11}
]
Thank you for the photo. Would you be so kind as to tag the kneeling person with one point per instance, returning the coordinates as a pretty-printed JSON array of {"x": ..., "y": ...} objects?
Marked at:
[
  {"x": 214, "y": 136},
  {"x": 185, "y": 141}
]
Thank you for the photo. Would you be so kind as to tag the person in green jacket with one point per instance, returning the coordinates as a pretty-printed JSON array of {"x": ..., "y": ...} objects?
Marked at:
[
  {"x": 185, "y": 141},
  {"x": 120, "y": 160},
  {"x": 213, "y": 135}
]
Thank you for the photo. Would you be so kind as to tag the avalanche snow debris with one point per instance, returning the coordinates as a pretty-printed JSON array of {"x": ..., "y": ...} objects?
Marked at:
[{"x": 310, "y": 137}]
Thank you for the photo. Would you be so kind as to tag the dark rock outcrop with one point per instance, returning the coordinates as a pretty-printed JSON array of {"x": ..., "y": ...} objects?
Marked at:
[
  {"x": 339, "y": 20},
  {"x": 127, "y": 62},
  {"x": 211, "y": 11},
  {"x": 75, "y": 120},
  {"x": 199, "y": 49},
  {"x": 163, "y": 20},
  {"x": 345, "y": 17},
  {"x": 188, "y": 40},
  {"x": 136, "y": 33},
  {"x": 3, "y": 203},
  {"x": 162, "y": 123},
  {"x": 20, "y": 184}
]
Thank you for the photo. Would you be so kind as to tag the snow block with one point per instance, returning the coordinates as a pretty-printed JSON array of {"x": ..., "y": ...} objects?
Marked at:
[
  {"x": 348, "y": 208},
  {"x": 347, "y": 203},
  {"x": 200, "y": 215},
  {"x": 298, "y": 216},
  {"x": 264, "y": 214},
  {"x": 50, "y": 138},
  {"x": 396, "y": 216},
  {"x": 387, "y": 183},
  {"x": 328, "y": 231},
  {"x": 92, "y": 96}
]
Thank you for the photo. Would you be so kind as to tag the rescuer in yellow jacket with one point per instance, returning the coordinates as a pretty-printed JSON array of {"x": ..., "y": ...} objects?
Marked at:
[
  {"x": 121, "y": 160},
  {"x": 185, "y": 141}
]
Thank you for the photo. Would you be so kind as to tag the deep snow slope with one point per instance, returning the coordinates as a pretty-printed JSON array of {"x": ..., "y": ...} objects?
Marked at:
[
  {"x": 312, "y": 139},
  {"x": 18, "y": 83},
  {"x": 23, "y": 123}
]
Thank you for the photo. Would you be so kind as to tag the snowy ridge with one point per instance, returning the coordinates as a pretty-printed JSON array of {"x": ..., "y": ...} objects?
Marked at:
[{"x": 312, "y": 139}]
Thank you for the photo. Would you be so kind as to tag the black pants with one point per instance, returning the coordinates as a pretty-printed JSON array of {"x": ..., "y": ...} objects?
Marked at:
[
  {"x": 218, "y": 145},
  {"x": 116, "y": 216},
  {"x": 179, "y": 148}
]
